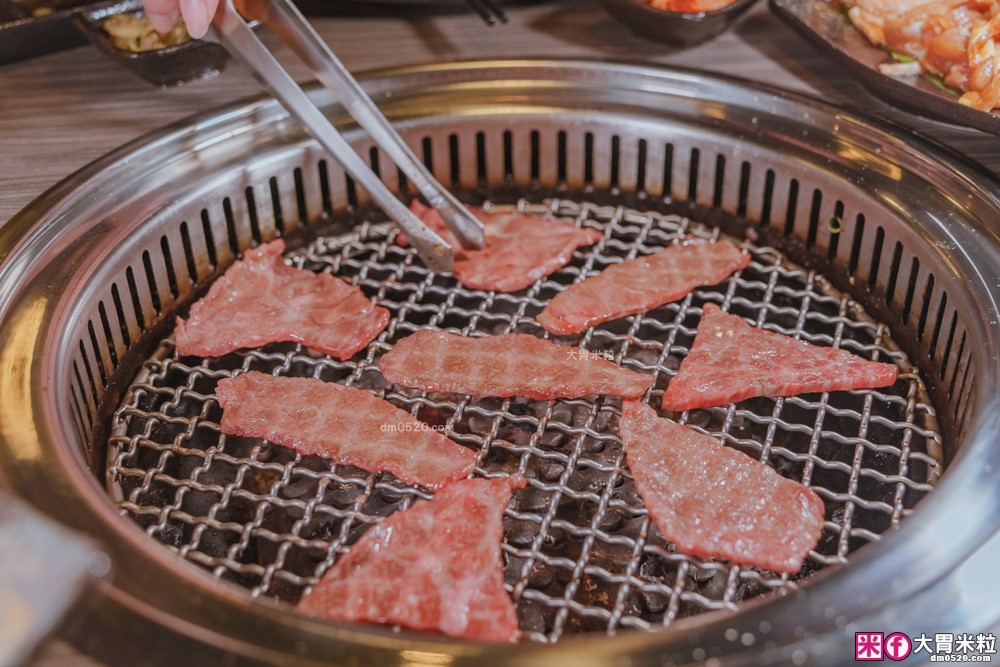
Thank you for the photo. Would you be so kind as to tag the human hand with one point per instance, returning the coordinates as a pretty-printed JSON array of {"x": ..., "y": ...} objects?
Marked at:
[{"x": 197, "y": 14}]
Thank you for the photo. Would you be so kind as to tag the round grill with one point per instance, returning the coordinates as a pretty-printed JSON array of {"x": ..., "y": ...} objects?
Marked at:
[
  {"x": 581, "y": 552},
  {"x": 861, "y": 238}
]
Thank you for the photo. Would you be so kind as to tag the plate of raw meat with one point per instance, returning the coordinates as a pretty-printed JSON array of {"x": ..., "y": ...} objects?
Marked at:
[{"x": 929, "y": 58}]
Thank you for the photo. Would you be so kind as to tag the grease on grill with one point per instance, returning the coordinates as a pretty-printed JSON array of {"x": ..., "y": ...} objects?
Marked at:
[{"x": 580, "y": 552}]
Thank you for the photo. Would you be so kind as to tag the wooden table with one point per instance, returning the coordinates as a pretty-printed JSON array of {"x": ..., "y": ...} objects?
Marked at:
[{"x": 59, "y": 112}]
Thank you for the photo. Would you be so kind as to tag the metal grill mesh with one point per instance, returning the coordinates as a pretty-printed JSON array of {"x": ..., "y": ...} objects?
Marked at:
[{"x": 580, "y": 551}]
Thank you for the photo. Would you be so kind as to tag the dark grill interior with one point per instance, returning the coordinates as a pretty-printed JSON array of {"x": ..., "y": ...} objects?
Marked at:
[{"x": 580, "y": 552}]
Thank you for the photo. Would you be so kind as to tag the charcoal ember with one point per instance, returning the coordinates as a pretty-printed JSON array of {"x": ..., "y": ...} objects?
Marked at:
[
  {"x": 171, "y": 534},
  {"x": 199, "y": 503},
  {"x": 531, "y": 500},
  {"x": 261, "y": 481},
  {"x": 740, "y": 427},
  {"x": 746, "y": 588},
  {"x": 301, "y": 561},
  {"x": 237, "y": 510},
  {"x": 595, "y": 622},
  {"x": 611, "y": 521},
  {"x": 562, "y": 414},
  {"x": 651, "y": 568},
  {"x": 499, "y": 326},
  {"x": 541, "y": 577},
  {"x": 552, "y": 472},
  {"x": 512, "y": 567},
  {"x": 188, "y": 406},
  {"x": 480, "y": 424},
  {"x": 785, "y": 466},
  {"x": 266, "y": 452},
  {"x": 645, "y": 355},
  {"x": 341, "y": 495},
  {"x": 633, "y": 605},
  {"x": 715, "y": 588},
  {"x": 521, "y": 534},
  {"x": 601, "y": 423},
  {"x": 157, "y": 496},
  {"x": 654, "y": 602},
  {"x": 829, "y": 540},
  {"x": 325, "y": 530},
  {"x": 515, "y": 433},
  {"x": 303, "y": 487},
  {"x": 434, "y": 416},
  {"x": 568, "y": 503},
  {"x": 532, "y": 617},
  {"x": 371, "y": 381},
  {"x": 603, "y": 556},
  {"x": 383, "y": 506},
  {"x": 551, "y": 439},
  {"x": 524, "y": 408},
  {"x": 628, "y": 494},
  {"x": 699, "y": 418},
  {"x": 554, "y": 541},
  {"x": 593, "y": 445},
  {"x": 581, "y": 417}
]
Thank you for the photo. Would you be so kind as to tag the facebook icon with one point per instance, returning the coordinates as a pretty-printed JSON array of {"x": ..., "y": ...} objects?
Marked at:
[{"x": 897, "y": 646}]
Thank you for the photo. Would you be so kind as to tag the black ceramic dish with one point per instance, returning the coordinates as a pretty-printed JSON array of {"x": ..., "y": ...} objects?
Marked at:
[
  {"x": 30, "y": 28},
  {"x": 679, "y": 29},
  {"x": 170, "y": 66},
  {"x": 829, "y": 30}
]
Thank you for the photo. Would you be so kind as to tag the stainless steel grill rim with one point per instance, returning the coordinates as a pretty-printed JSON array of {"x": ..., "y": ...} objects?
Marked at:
[{"x": 712, "y": 110}]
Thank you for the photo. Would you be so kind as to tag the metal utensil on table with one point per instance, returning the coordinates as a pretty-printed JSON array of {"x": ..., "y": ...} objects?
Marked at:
[
  {"x": 488, "y": 10},
  {"x": 230, "y": 29},
  {"x": 46, "y": 570}
]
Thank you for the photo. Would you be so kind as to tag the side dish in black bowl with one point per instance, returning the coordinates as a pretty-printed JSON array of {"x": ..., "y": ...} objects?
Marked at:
[
  {"x": 676, "y": 28},
  {"x": 169, "y": 61}
]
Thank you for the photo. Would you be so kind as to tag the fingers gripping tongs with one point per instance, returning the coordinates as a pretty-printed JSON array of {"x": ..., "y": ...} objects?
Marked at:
[{"x": 229, "y": 28}]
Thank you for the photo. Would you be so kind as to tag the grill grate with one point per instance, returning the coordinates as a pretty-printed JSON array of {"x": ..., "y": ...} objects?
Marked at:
[{"x": 580, "y": 551}]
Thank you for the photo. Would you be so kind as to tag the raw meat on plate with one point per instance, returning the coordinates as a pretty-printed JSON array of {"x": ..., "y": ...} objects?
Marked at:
[
  {"x": 716, "y": 502},
  {"x": 731, "y": 361},
  {"x": 520, "y": 249},
  {"x": 346, "y": 425},
  {"x": 261, "y": 300},
  {"x": 955, "y": 40},
  {"x": 435, "y": 566},
  {"x": 506, "y": 365},
  {"x": 642, "y": 284}
]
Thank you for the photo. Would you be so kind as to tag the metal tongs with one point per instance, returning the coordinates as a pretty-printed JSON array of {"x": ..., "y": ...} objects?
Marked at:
[{"x": 229, "y": 28}]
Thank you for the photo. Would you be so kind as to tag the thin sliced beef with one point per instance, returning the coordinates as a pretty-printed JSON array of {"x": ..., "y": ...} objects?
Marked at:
[
  {"x": 731, "y": 361},
  {"x": 261, "y": 300},
  {"x": 520, "y": 249},
  {"x": 641, "y": 284},
  {"x": 716, "y": 502},
  {"x": 507, "y": 365},
  {"x": 435, "y": 566},
  {"x": 343, "y": 424}
]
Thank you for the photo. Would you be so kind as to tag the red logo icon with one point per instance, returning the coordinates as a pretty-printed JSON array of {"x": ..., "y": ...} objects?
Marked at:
[
  {"x": 868, "y": 646},
  {"x": 897, "y": 646}
]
